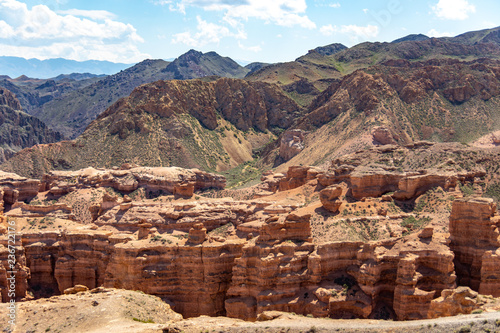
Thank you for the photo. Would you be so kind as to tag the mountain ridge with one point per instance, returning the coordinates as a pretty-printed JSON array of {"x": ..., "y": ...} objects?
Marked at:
[{"x": 49, "y": 68}]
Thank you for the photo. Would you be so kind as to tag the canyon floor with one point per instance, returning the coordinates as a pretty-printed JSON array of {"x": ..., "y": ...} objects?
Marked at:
[{"x": 114, "y": 310}]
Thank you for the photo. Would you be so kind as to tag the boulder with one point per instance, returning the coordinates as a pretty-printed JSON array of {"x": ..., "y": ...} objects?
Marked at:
[{"x": 330, "y": 198}]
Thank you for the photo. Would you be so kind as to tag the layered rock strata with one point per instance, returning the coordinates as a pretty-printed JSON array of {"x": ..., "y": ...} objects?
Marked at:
[
  {"x": 168, "y": 179},
  {"x": 340, "y": 280},
  {"x": 475, "y": 240},
  {"x": 14, "y": 188},
  {"x": 269, "y": 263}
]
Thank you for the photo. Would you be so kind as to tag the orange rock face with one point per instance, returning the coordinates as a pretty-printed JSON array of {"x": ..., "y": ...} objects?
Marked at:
[
  {"x": 269, "y": 263},
  {"x": 452, "y": 302},
  {"x": 330, "y": 198},
  {"x": 475, "y": 240},
  {"x": 292, "y": 143},
  {"x": 170, "y": 179},
  {"x": 410, "y": 278},
  {"x": 15, "y": 188},
  {"x": 340, "y": 280},
  {"x": 194, "y": 278}
]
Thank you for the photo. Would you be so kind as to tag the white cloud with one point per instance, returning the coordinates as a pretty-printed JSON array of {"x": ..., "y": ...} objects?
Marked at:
[
  {"x": 354, "y": 31},
  {"x": 453, "y": 9},
  {"x": 286, "y": 13},
  {"x": 435, "y": 33},
  {"x": 335, "y": 5},
  {"x": 41, "y": 33},
  {"x": 91, "y": 14},
  {"x": 207, "y": 33},
  {"x": 328, "y": 30},
  {"x": 255, "y": 48}
]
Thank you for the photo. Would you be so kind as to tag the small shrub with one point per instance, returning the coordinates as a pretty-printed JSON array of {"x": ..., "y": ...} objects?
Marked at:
[
  {"x": 147, "y": 321},
  {"x": 464, "y": 329}
]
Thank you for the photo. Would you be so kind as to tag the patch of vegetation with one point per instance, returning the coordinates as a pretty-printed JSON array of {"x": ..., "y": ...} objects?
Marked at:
[
  {"x": 243, "y": 174},
  {"x": 466, "y": 189},
  {"x": 493, "y": 191},
  {"x": 147, "y": 321},
  {"x": 412, "y": 224},
  {"x": 222, "y": 230},
  {"x": 158, "y": 238},
  {"x": 112, "y": 191}
]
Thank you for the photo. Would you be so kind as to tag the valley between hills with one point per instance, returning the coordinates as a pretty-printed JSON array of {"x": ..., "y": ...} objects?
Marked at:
[{"x": 354, "y": 189}]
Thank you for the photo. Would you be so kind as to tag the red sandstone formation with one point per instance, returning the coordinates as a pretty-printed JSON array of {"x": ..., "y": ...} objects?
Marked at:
[
  {"x": 382, "y": 135},
  {"x": 170, "y": 179},
  {"x": 271, "y": 262},
  {"x": 281, "y": 271},
  {"x": 475, "y": 240},
  {"x": 330, "y": 198},
  {"x": 292, "y": 143},
  {"x": 15, "y": 188},
  {"x": 452, "y": 302},
  {"x": 338, "y": 279}
]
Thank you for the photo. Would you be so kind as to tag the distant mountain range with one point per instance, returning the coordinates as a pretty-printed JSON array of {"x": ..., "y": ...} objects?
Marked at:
[
  {"x": 44, "y": 69},
  {"x": 68, "y": 103}
]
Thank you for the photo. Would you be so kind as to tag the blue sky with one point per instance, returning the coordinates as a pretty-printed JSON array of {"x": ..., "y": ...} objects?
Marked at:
[{"x": 249, "y": 30}]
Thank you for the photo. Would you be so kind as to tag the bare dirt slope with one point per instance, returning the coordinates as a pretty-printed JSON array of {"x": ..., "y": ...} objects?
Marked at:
[{"x": 109, "y": 310}]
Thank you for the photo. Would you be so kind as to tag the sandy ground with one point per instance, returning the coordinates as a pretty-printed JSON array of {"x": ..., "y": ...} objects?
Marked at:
[
  {"x": 487, "y": 141},
  {"x": 485, "y": 322},
  {"x": 112, "y": 310}
]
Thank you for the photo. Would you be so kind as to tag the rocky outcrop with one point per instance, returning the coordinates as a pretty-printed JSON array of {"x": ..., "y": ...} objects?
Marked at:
[
  {"x": 57, "y": 210},
  {"x": 9, "y": 99},
  {"x": 291, "y": 143},
  {"x": 14, "y": 273},
  {"x": 475, "y": 240},
  {"x": 184, "y": 216},
  {"x": 19, "y": 130},
  {"x": 382, "y": 135},
  {"x": 197, "y": 234},
  {"x": 340, "y": 280},
  {"x": 286, "y": 228},
  {"x": 15, "y": 188},
  {"x": 170, "y": 180},
  {"x": 297, "y": 176},
  {"x": 195, "y": 279},
  {"x": 329, "y": 198},
  {"x": 454, "y": 302},
  {"x": 280, "y": 270},
  {"x": 367, "y": 182}
]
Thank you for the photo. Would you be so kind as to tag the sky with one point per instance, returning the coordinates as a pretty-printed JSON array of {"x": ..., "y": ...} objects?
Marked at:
[{"x": 129, "y": 31}]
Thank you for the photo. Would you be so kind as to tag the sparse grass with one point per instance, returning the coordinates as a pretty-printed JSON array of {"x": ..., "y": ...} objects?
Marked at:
[
  {"x": 412, "y": 224},
  {"x": 242, "y": 174},
  {"x": 466, "y": 189},
  {"x": 147, "y": 321},
  {"x": 493, "y": 191}
]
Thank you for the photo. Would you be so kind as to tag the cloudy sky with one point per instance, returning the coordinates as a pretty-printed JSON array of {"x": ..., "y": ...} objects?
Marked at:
[{"x": 246, "y": 30}]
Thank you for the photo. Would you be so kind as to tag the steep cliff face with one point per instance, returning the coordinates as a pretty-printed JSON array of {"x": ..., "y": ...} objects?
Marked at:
[
  {"x": 475, "y": 240},
  {"x": 19, "y": 130},
  {"x": 395, "y": 278},
  {"x": 194, "y": 278},
  {"x": 340, "y": 280},
  {"x": 14, "y": 188}
]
